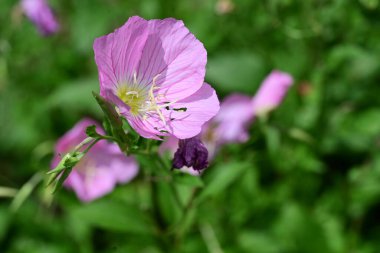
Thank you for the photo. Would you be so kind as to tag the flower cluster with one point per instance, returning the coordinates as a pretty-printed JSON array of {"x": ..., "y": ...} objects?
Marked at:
[{"x": 151, "y": 73}]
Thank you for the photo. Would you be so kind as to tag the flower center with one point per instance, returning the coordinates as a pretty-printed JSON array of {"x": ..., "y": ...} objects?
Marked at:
[
  {"x": 133, "y": 97},
  {"x": 143, "y": 102}
]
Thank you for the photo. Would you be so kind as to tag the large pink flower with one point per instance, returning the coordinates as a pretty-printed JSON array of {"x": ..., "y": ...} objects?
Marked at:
[
  {"x": 153, "y": 71},
  {"x": 40, "y": 13},
  {"x": 100, "y": 169}
]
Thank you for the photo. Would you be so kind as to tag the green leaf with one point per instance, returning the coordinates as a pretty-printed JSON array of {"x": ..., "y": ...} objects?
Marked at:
[
  {"x": 259, "y": 241},
  {"x": 187, "y": 179},
  {"x": 5, "y": 219},
  {"x": 114, "y": 216},
  {"x": 74, "y": 96},
  {"x": 238, "y": 71},
  {"x": 223, "y": 177}
]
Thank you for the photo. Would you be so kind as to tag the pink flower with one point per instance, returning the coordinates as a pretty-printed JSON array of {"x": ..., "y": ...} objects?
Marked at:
[
  {"x": 100, "y": 169},
  {"x": 39, "y": 12},
  {"x": 231, "y": 123},
  {"x": 271, "y": 92},
  {"x": 153, "y": 71}
]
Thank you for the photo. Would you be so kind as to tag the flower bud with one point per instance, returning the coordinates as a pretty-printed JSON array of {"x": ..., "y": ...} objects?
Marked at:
[{"x": 191, "y": 153}]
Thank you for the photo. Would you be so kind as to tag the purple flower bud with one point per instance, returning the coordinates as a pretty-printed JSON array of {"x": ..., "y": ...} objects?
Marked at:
[{"x": 191, "y": 153}]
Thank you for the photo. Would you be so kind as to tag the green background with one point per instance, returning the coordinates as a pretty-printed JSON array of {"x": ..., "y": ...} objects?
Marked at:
[{"x": 307, "y": 181}]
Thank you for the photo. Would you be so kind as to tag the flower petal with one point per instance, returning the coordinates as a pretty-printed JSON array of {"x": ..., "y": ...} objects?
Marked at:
[
  {"x": 272, "y": 91},
  {"x": 124, "y": 168},
  {"x": 200, "y": 107},
  {"x": 98, "y": 172},
  {"x": 236, "y": 112},
  {"x": 75, "y": 136},
  {"x": 118, "y": 54},
  {"x": 90, "y": 187},
  {"x": 184, "y": 119},
  {"x": 175, "y": 57},
  {"x": 40, "y": 13}
]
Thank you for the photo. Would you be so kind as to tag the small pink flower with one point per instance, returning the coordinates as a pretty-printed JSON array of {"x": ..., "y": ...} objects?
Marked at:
[
  {"x": 271, "y": 92},
  {"x": 153, "y": 71},
  {"x": 100, "y": 169},
  {"x": 39, "y": 12}
]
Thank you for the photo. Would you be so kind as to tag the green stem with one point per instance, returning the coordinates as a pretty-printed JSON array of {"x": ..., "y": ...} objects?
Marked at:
[
  {"x": 91, "y": 145},
  {"x": 84, "y": 142},
  {"x": 173, "y": 188},
  {"x": 25, "y": 191}
]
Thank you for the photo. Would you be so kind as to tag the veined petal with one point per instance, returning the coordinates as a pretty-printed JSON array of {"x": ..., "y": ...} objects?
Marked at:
[
  {"x": 175, "y": 57},
  {"x": 183, "y": 119},
  {"x": 118, "y": 54},
  {"x": 200, "y": 108}
]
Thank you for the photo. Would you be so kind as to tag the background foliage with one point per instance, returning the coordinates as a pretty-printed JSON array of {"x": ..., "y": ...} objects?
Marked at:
[{"x": 307, "y": 181}]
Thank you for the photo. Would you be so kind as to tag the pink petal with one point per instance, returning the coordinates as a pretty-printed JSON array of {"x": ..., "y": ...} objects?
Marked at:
[
  {"x": 40, "y": 13},
  {"x": 118, "y": 54},
  {"x": 90, "y": 187},
  {"x": 236, "y": 112},
  {"x": 124, "y": 168},
  {"x": 272, "y": 91},
  {"x": 75, "y": 136},
  {"x": 169, "y": 145},
  {"x": 101, "y": 168},
  {"x": 200, "y": 107},
  {"x": 174, "y": 54}
]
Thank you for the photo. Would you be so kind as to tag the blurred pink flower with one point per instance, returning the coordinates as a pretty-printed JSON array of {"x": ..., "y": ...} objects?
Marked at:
[
  {"x": 153, "y": 71},
  {"x": 231, "y": 123},
  {"x": 271, "y": 92},
  {"x": 39, "y": 12},
  {"x": 100, "y": 169}
]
